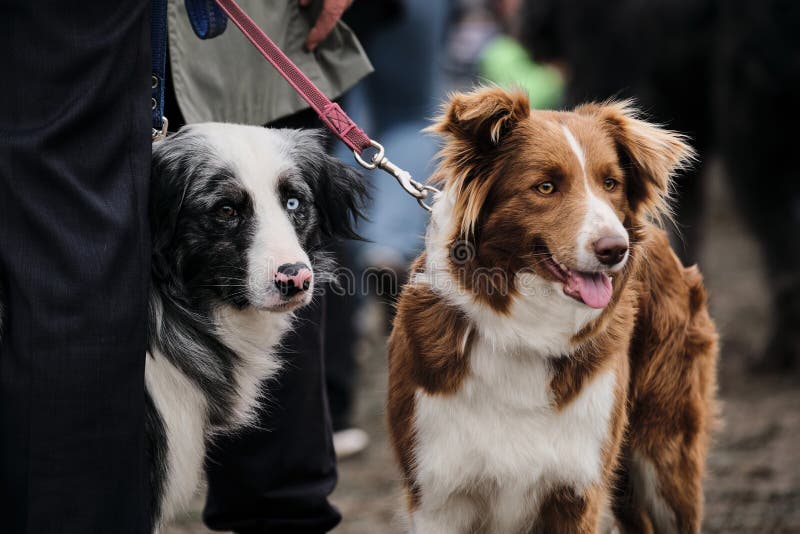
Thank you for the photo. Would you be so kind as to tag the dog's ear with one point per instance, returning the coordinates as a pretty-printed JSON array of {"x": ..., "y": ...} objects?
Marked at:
[
  {"x": 474, "y": 126},
  {"x": 341, "y": 196},
  {"x": 649, "y": 154},
  {"x": 483, "y": 117},
  {"x": 168, "y": 183}
]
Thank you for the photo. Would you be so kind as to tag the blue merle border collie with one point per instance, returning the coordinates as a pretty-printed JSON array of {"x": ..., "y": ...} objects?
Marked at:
[{"x": 239, "y": 218}]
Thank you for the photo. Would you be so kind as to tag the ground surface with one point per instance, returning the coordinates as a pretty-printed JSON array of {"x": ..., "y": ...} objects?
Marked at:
[{"x": 754, "y": 468}]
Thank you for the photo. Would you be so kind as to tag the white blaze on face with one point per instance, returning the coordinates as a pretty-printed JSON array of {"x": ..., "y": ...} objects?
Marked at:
[
  {"x": 600, "y": 220},
  {"x": 274, "y": 244}
]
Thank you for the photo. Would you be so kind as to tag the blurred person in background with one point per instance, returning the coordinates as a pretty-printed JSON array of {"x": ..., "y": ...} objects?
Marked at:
[
  {"x": 484, "y": 47},
  {"x": 275, "y": 476},
  {"x": 756, "y": 82},
  {"x": 722, "y": 71}
]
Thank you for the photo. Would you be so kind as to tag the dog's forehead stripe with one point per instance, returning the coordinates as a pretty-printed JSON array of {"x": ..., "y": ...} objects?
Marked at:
[{"x": 576, "y": 147}]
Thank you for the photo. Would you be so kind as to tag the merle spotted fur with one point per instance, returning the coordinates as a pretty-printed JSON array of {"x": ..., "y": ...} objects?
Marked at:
[{"x": 196, "y": 260}]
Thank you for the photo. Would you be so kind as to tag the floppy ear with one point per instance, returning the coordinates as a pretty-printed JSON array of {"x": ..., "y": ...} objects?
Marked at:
[
  {"x": 341, "y": 196},
  {"x": 482, "y": 117},
  {"x": 649, "y": 154},
  {"x": 169, "y": 179},
  {"x": 474, "y": 126}
]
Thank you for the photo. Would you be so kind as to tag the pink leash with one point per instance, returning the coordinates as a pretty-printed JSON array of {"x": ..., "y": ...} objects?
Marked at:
[{"x": 329, "y": 112}]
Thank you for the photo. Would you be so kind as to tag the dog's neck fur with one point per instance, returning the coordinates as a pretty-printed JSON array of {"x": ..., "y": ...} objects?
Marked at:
[{"x": 204, "y": 374}]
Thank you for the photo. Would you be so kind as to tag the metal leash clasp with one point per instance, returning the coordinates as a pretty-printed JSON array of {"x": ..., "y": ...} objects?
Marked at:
[{"x": 414, "y": 188}]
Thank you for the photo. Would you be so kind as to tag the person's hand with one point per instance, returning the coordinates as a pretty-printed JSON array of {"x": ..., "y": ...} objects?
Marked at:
[{"x": 332, "y": 11}]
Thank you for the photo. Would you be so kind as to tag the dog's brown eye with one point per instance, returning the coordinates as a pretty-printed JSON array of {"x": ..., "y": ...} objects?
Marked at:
[
  {"x": 609, "y": 184},
  {"x": 227, "y": 212},
  {"x": 546, "y": 188}
]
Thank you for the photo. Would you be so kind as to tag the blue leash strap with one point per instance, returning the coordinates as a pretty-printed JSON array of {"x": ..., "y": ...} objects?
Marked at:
[
  {"x": 207, "y": 20},
  {"x": 158, "y": 44}
]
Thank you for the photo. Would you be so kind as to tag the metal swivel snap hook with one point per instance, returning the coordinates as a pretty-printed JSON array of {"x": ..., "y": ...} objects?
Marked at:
[{"x": 414, "y": 188}]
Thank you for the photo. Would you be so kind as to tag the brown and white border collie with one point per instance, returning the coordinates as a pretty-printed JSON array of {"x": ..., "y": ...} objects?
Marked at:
[{"x": 552, "y": 364}]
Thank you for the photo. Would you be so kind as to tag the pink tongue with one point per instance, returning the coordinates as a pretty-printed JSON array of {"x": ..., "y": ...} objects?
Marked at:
[{"x": 594, "y": 289}]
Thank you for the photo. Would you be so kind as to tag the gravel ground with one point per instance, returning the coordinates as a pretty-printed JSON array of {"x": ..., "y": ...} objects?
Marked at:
[{"x": 753, "y": 484}]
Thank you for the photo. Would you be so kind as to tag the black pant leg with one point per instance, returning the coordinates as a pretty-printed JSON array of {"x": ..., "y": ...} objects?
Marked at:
[
  {"x": 341, "y": 368},
  {"x": 277, "y": 477},
  {"x": 74, "y": 264}
]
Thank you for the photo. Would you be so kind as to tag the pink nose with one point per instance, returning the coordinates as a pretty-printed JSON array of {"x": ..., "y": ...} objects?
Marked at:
[{"x": 293, "y": 278}]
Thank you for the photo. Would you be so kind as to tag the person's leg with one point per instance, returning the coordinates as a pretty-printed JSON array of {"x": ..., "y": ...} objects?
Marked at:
[
  {"x": 276, "y": 476},
  {"x": 74, "y": 265},
  {"x": 340, "y": 344}
]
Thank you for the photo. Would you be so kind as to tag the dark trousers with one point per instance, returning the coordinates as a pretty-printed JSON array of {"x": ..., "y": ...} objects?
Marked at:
[
  {"x": 74, "y": 264},
  {"x": 277, "y": 476}
]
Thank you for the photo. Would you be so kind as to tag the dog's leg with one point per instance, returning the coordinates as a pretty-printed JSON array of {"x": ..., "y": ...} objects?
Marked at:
[
  {"x": 672, "y": 416},
  {"x": 665, "y": 485},
  {"x": 628, "y": 509},
  {"x": 565, "y": 511},
  {"x": 669, "y": 490}
]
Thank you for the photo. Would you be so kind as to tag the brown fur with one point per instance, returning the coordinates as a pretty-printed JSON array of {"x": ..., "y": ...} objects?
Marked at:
[
  {"x": 424, "y": 352},
  {"x": 565, "y": 512},
  {"x": 673, "y": 382},
  {"x": 655, "y": 332}
]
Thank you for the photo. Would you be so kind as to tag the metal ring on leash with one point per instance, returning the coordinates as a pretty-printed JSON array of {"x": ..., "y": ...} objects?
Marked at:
[
  {"x": 412, "y": 187},
  {"x": 421, "y": 201},
  {"x": 377, "y": 157}
]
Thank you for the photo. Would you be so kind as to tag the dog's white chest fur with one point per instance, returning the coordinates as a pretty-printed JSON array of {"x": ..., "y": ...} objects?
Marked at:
[
  {"x": 500, "y": 441},
  {"x": 182, "y": 407}
]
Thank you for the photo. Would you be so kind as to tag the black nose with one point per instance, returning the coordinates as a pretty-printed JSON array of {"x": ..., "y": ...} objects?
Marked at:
[
  {"x": 610, "y": 250},
  {"x": 292, "y": 278}
]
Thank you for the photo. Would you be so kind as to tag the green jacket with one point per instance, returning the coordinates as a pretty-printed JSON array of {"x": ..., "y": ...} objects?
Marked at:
[{"x": 226, "y": 79}]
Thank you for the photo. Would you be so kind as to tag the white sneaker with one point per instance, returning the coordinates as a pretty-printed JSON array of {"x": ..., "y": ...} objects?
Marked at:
[{"x": 349, "y": 442}]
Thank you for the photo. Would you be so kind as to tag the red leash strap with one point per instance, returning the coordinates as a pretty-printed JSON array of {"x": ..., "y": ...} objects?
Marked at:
[{"x": 329, "y": 112}]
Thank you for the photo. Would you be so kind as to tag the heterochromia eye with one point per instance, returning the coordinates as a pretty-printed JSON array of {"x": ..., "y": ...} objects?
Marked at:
[
  {"x": 292, "y": 204},
  {"x": 227, "y": 212},
  {"x": 546, "y": 188},
  {"x": 609, "y": 184}
]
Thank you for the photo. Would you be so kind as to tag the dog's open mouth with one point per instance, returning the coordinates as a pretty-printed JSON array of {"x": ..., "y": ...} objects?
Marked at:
[{"x": 591, "y": 288}]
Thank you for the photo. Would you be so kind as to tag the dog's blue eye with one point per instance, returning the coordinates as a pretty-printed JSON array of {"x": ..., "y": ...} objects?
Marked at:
[{"x": 292, "y": 204}]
